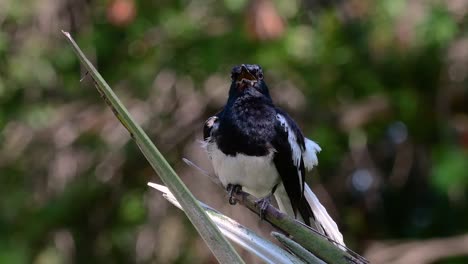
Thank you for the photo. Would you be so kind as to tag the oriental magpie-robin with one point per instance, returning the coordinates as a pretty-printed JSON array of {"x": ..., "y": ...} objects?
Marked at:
[{"x": 255, "y": 145}]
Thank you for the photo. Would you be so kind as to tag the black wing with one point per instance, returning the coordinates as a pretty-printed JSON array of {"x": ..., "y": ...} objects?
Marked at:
[{"x": 289, "y": 163}]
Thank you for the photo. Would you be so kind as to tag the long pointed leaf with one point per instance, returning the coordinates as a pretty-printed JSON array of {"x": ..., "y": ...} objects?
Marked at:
[
  {"x": 297, "y": 249},
  {"x": 217, "y": 243}
]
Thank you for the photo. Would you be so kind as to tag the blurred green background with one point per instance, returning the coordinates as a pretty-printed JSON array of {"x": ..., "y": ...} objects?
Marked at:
[{"x": 381, "y": 85}]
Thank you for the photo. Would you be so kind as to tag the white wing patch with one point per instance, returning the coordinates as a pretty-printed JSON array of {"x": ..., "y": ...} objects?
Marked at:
[
  {"x": 295, "y": 148},
  {"x": 310, "y": 154}
]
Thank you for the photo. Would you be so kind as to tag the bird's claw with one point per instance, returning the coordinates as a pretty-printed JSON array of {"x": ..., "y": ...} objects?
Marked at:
[
  {"x": 232, "y": 189},
  {"x": 263, "y": 204},
  {"x": 232, "y": 200}
]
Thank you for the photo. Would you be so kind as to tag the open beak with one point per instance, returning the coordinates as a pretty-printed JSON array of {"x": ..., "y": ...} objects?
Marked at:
[{"x": 245, "y": 77}]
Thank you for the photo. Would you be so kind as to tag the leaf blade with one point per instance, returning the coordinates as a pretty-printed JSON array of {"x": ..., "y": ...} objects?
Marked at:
[{"x": 217, "y": 243}]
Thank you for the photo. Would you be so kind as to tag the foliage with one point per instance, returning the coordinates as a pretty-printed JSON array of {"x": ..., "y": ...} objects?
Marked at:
[{"x": 381, "y": 85}]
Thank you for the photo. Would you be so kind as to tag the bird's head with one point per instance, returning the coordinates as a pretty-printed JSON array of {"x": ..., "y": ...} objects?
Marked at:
[{"x": 248, "y": 78}]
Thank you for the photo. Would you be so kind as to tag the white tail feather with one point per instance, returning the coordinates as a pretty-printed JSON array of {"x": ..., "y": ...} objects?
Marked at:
[
  {"x": 322, "y": 217},
  {"x": 323, "y": 221},
  {"x": 284, "y": 204}
]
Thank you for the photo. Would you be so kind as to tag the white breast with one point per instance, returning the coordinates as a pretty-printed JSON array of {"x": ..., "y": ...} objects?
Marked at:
[{"x": 257, "y": 175}]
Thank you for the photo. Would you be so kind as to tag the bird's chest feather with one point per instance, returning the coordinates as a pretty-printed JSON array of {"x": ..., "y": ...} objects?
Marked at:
[
  {"x": 247, "y": 127},
  {"x": 256, "y": 174},
  {"x": 241, "y": 151}
]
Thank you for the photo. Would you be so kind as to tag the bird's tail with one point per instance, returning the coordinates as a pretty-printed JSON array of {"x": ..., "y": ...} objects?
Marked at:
[
  {"x": 323, "y": 221},
  {"x": 322, "y": 218}
]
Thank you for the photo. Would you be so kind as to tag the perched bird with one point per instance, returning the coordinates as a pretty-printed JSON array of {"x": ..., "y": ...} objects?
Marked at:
[{"x": 258, "y": 147}]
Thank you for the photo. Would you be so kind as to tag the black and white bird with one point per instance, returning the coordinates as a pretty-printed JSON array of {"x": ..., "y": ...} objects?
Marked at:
[{"x": 257, "y": 146}]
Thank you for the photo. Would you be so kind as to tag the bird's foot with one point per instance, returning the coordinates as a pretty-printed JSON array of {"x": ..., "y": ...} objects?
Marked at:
[
  {"x": 232, "y": 189},
  {"x": 263, "y": 204}
]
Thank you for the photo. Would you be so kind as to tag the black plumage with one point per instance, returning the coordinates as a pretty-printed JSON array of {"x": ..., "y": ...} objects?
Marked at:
[
  {"x": 248, "y": 125},
  {"x": 253, "y": 143}
]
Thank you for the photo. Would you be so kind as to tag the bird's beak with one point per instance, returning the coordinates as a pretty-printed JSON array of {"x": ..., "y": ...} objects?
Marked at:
[{"x": 245, "y": 77}]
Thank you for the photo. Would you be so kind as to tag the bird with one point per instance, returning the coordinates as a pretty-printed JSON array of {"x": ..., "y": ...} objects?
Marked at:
[{"x": 257, "y": 147}]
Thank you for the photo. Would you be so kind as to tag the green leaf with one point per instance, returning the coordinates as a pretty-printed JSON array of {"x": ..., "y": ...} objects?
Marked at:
[
  {"x": 217, "y": 243},
  {"x": 450, "y": 170}
]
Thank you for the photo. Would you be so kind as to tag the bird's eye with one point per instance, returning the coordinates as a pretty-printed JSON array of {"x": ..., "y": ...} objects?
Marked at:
[{"x": 260, "y": 75}]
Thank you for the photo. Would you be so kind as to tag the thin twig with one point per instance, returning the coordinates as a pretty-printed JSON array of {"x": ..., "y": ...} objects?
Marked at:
[
  {"x": 213, "y": 178},
  {"x": 84, "y": 76}
]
